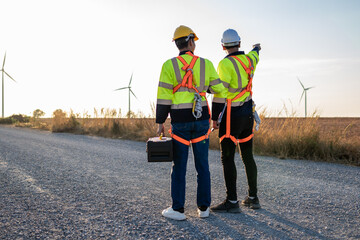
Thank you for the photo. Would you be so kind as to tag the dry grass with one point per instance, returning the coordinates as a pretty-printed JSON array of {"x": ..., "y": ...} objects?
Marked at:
[
  {"x": 310, "y": 138},
  {"x": 321, "y": 139},
  {"x": 106, "y": 123}
]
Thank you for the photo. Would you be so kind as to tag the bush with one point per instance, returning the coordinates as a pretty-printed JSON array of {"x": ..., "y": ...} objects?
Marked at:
[
  {"x": 38, "y": 113},
  {"x": 7, "y": 120},
  {"x": 15, "y": 118},
  {"x": 62, "y": 123}
]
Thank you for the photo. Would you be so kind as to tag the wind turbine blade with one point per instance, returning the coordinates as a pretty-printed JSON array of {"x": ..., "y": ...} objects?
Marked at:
[
  {"x": 9, "y": 76},
  {"x": 301, "y": 83},
  {"x": 4, "y": 61},
  {"x": 302, "y": 95},
  {"x": 133, "y": 93},
  {"x": 308, "y": 88},
  {"x": 130, "y": 79},
  {"x": 121, "y": 88}
]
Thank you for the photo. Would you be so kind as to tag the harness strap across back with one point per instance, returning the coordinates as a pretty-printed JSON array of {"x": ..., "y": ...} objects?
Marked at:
[
  {"x": 188, "y": 83},
  {"x": 188, "y": 77},
  {"x": 248, "y": 88}
]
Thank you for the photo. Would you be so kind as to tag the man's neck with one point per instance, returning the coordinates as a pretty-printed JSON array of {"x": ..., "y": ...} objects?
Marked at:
[
  {"x": 235, "y": 53},
  {"x": 232, "y": 50},
  {"x": 183, "y": 51}
]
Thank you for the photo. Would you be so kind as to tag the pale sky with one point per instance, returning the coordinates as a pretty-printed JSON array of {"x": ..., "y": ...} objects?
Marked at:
[{"x": 72, "y": 54}]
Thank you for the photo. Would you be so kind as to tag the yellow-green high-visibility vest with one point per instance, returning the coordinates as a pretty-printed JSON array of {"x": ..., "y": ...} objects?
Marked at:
[
  {"x": 235, "y": 78},
  {"x": 204, "y": 78}
]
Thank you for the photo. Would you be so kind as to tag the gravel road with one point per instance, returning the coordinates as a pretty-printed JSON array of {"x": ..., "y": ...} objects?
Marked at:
[{"x": 64, "y": 186}]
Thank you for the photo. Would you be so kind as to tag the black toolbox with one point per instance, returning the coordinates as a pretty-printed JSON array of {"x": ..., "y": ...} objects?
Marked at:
[{"x": 159, "y": 150}]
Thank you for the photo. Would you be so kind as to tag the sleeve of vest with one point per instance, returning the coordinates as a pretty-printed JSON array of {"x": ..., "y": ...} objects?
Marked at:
[
  {"x": 220, "y": 98},
  {"x": 254, "y": 56},
  {"x": 162, "y": 112},
  {"x": 165, "y": 93},
  {"x": 215, "y": 84}
]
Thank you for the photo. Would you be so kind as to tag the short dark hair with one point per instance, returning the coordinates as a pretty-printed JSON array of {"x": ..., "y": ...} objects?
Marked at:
[
  {"x": 235, "y": 46},
  {"x": 181, "y": 43}
]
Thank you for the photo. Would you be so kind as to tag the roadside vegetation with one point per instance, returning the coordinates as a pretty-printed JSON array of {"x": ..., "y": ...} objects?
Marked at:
[
  {"x": 291, "y": 137},
  {"x": 15, "y": 118},
  {"x": 301, "y": 138}
]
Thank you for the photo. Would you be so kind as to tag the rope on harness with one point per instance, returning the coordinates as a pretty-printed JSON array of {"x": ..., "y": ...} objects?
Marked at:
[{"x": 197, "y": 108}]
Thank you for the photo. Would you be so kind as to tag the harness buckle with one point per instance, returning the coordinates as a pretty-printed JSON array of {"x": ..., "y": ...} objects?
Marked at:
[{"x": 190, "y": 69}]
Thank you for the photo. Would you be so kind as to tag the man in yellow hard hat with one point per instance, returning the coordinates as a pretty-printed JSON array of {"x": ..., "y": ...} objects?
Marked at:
[
  {"x": 234, "y": 110},
  {"x": 184, "y": 81}
]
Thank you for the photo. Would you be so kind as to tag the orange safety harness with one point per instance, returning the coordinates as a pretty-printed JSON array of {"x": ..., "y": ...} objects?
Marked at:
[
  {"x": 188, "y": 82},
  {"x": 228, "y": 102}
]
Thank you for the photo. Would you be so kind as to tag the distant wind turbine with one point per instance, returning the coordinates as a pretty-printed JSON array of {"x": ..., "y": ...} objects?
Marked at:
[
  {"x": 130, "y": 91},
  {"x": 4, "y": 73},
  {"x": 304, "y": 92}
]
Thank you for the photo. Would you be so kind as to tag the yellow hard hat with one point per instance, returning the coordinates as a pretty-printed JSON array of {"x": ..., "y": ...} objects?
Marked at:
[{"x": 183, "y": 31}]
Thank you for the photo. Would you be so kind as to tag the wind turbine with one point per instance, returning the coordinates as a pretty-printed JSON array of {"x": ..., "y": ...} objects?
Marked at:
[
  {"x": 4, "y": 73},
  {"x": 130, "y": 91},
  {"x": 304, "y": 92}
]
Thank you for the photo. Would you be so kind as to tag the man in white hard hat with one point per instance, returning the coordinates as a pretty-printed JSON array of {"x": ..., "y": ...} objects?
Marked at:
[
  {"x": 234, "y": 112},
  {"x": 184, "y": 81}
]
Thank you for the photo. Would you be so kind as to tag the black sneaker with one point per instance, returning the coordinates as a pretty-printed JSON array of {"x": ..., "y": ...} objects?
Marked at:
[
  {"x": 251, "y": 203},
  {"x": 227, "y": 206}
]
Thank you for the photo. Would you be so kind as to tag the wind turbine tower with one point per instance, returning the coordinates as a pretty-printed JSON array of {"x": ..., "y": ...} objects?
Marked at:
[
  {"x": 3, "y": 72},
  {"x": 130, "y": 91},
  {"x": 304, "y": 92}
]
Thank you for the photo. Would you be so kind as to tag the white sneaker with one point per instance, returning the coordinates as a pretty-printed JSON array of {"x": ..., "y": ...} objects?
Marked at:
[
  {"x": 204, "y": 214},
  {"x": 170, "y": 213}
]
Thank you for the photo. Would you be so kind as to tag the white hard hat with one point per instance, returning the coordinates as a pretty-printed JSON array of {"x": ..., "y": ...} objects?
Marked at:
[{"x": 230, "y": 38}]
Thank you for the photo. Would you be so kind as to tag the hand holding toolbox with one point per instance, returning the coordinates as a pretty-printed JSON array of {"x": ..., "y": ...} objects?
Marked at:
[{"x": 159, "y": 149}]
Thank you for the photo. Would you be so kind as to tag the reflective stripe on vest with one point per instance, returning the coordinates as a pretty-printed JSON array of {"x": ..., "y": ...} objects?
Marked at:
[
  {"x": 187, "y": 82},
  {"x": 248, "y": 87}
]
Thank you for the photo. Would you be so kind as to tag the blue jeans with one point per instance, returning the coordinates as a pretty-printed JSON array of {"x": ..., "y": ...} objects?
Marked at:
[{"x": 188, "y": 131}]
